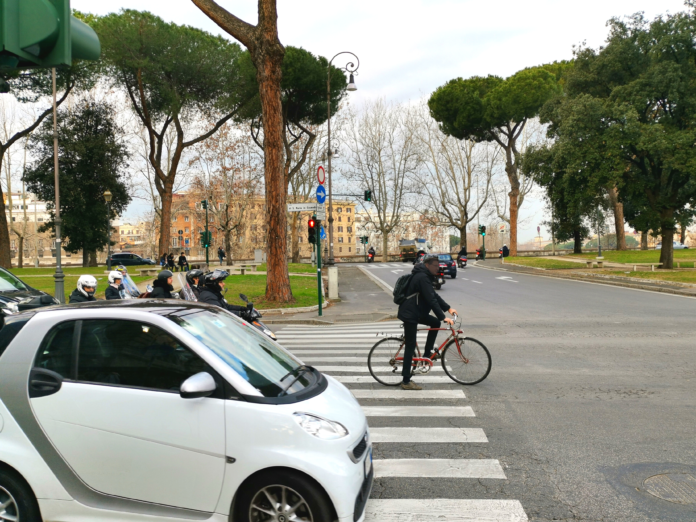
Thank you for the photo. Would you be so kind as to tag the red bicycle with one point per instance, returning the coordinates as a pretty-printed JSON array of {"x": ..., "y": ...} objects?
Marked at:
[{"x": 464, "y": 360}]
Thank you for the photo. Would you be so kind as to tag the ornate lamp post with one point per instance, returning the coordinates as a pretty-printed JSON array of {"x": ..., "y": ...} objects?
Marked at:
[
  {"x": 108, "y": 196},
  {"x": 350, "y": 68}
]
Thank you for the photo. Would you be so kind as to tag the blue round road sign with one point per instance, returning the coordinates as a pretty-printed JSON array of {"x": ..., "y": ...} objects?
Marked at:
[
  {"x": 322, "y": 234},
  {"x": 321, "y": 194}
]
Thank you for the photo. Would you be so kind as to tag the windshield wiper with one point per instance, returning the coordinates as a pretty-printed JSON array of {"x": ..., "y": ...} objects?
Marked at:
[
  {"x": 300, "y": 367},
  {"x": 301, "y": 370}
]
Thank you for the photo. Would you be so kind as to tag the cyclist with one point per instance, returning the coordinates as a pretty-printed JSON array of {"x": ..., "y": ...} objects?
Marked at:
[
  {"x": 211, "y": 293},
  {"x": 86, "y": 288},
  {"x": 113, "y": 291},
  {"x": 194, "y": 280},
  {"x": 163, "y": 285},
  {"x": 416, "y": 310}
]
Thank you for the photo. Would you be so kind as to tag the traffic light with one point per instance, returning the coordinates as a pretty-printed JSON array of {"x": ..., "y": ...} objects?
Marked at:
[
  {"x": 364, "y": 240},
  {"x": 43, "y": 33},
  {"x": 479, "y": 230},
  {"x": 206, "y": 238},
  {"x": 204, "y": 204},
  {"x": 368, "y": 195},
  {"x": 312, "y": 231},
  {"x": 483, "y": 230}
]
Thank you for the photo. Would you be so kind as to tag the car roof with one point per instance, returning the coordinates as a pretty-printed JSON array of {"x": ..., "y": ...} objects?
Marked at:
[{"x": 155, "y": 306}]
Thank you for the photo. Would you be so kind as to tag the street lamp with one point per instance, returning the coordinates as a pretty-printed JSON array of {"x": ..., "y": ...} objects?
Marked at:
[
  {"x": 108, "y": 196},
  {"x": 350, "y": 68}
]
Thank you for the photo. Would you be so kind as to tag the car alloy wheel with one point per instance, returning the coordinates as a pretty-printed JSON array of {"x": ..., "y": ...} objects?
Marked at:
[
  {"x": 279, "y": 503},
  {"x": 8, "y": 506}
]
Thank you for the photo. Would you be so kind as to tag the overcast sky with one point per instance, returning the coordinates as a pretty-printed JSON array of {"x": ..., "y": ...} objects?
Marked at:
[{"x": 407, "y": 48}]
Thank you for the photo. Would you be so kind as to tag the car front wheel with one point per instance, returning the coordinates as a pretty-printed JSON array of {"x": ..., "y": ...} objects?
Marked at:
[
  {"x": 17, "y": 500},
  {"x": 282, "y": 496}
]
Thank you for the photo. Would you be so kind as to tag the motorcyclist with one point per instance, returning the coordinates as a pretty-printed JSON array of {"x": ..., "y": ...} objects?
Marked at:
[
  {"x": 506, "y": 251},
  {"x": 113, "y": 291},
  {"x": 194, "y": 280},
  {"x": 86, "y": 288},
  {"x": 211, "y": 293},
  {"x": 371, "y": 251},
  {"x": 163, "y": 285},
  {"x": 462, "y": 253},
  {"x": 416, "y": 310}
]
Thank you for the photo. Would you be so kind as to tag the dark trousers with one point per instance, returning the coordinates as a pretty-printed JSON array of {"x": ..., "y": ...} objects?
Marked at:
[{"x": 410, "y": 332}]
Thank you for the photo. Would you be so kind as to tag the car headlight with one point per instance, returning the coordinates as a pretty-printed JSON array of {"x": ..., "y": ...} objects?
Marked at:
[{"x": 321, "y": 428}]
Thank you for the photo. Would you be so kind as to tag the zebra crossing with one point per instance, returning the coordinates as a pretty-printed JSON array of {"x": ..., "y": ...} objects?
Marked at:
[
  {"x": 341, "y": 351},
  {"x": 385, "y": 265}
]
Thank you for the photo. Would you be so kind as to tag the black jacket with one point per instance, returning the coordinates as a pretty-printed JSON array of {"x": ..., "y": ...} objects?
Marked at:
[
  {"x": 427, "y": 299},
  {"x": 182, "y": 261},
  {"x": 162, "y": 289},
  {"x": 212, "y": 295},
  {"x": 462, "y": 253},
  {"x": 79, "y": 297},
  {"x": 196, "y": 291},
  {"x": 112, "y": 293}
]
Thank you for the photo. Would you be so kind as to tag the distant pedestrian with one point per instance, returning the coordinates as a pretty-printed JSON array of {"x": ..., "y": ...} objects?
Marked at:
[
  {"x": 221, "y": 254},
  {"x": 170, "y": 261},
  {"x": 183, "y": 263},
  {"x": 163, "y": 259}
]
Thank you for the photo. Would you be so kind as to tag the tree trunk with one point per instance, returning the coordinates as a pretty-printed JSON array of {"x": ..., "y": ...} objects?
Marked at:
[
  {"x": 618, "y": 218},
  {"x": 667, "y": 251},
  {"x": 577, "y": 245},
  {"x": 268, "y": 73},
  {"x": 295, "y": 237},
  {"x": 20, "y": 253},
  {"x": 385, "y": 247},
  {"x": 643, "y": 240},
  {"x": 5, "y": 257},
  {"x": 228, "y": 245},
  {"x": 462, "y": 237},
  {"x": 85, "y": 258},
  {"x": 93, "y": 258},
  {"x": 513, "y": 221},
  {"x": 682, "y": 233},
  {"x": 166, "y": 223}
]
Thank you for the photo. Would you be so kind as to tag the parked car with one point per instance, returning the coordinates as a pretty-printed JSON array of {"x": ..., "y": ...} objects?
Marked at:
[
  {"x": 162, "y": 410},
  {"x": 128, "y": 259},
  {"x": 676, "y": 245},
  {"x": 17, "y": 296}
]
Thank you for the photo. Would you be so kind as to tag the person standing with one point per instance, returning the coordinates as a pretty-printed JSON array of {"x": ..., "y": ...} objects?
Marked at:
[
  {"x": 415, "y": 310},
  {"x": 221, "y": 254}
]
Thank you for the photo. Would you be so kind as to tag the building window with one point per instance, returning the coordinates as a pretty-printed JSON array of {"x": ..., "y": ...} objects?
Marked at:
[
  {"x": 350, "y": 249},
  {"x": 350, "y": 229},
  {"x": 186, "y": 218},
  {"x": 301, "y": 239},
  {"x": 186, "y": 230},
  {"x": 348, "y": 210},
  {"x": 339, "y": 219},
  {"x": 340, "y": 229},
  {"x": 340, "y": 240},
  {"x": 340, "y": 249},
  {"x": 339, "y": 210}
]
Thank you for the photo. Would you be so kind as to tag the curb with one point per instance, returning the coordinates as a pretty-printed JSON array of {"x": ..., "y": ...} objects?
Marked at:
[
  {"x": 590, "y": 279},
  {"x": 383, "y": 285}
]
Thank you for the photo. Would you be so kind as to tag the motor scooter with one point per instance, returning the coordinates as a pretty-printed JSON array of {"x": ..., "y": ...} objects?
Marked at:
[
  {"x": 370, "y": 257},
  {"x": 439, "y": 279},
  {"x": 480, "y": 254},
  {"x": 252, "y": 316},
  {"x": 461, "y": 262}
]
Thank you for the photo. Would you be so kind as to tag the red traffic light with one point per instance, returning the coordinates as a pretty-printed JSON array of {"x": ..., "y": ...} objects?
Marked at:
[{"x": 312, "y": 223}]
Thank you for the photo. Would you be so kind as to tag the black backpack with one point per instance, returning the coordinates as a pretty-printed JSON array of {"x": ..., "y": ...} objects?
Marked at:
[{"x": 401, "y": 289}]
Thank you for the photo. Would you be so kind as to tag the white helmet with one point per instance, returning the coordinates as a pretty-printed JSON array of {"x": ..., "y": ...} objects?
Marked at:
[
  {"x": 115, "y": 275},
  {"x": 87, "y": 281}
]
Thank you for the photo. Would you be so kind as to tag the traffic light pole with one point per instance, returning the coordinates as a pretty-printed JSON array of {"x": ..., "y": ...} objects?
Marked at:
[
  {"x": 319, "y": 281},
  {"x": 58, "y": 276},
  {"x": 207, "y": 241}
]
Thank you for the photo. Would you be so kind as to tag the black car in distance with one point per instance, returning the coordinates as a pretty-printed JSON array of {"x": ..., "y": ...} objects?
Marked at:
[
  {"x": 448, "y": 265},
  {"x": 128, "y": 259}
]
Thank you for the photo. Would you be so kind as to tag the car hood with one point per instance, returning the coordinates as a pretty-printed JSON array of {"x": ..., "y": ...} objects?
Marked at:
[
  {"x": 336, "y": 404},
  {"x": 26, "y": 299}
]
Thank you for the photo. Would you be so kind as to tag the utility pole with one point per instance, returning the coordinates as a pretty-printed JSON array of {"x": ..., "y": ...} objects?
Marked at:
[
  {"x": 207, "y": 238},
  {"x": 58, "y": 276},
  {"x": 319, "y": 280}
]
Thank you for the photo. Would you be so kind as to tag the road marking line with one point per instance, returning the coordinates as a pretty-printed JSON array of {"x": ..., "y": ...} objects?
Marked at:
[
  {"x": 444, "y": 510},
  {"x": 363, "y": 369},
  {"x": 477, "y": 282},
  {"x": 506, "y": 278},
  {"x": 427, "y": 435},
  {"x": 439, "y": 468},
  {"x": 327, "y": 352},
  {"x": 400, "y": 394},
  {"x": 418, "y": 411},
  {"x": 359, "y": 379}
]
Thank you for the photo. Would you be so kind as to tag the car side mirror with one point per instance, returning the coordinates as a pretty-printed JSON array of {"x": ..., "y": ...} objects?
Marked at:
[
  {"x": 200, "y": 385},
  {"x": 244, "y": 298},
  {"x": 46, "y": 300}
]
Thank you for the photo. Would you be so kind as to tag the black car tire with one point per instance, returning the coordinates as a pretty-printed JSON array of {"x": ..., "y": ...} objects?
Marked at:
[
  {"x": 453, "y": 275},
  {"x": 20, "y": 499},
  {"x": 315, "y": 499}
]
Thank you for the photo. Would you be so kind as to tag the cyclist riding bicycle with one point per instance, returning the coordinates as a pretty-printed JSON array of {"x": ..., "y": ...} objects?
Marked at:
[{"x": 416, "y": 310}]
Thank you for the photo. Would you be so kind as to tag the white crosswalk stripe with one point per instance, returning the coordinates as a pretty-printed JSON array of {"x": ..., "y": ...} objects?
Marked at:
[{"x": 341, "y": 351}]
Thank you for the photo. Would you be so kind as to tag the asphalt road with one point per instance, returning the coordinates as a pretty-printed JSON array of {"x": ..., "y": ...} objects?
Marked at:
[{"x": 593, "y": 390}]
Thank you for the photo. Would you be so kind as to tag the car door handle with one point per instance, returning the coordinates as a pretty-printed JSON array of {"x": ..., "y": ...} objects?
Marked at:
[{"x": 44, "y": 382}]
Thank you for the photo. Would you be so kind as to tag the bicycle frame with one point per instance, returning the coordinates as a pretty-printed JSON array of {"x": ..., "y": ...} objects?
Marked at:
[{"x": 416, "y": 360}]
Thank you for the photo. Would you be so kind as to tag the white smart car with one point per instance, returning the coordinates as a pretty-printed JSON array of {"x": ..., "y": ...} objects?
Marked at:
[{"x": 161, "y": 410}]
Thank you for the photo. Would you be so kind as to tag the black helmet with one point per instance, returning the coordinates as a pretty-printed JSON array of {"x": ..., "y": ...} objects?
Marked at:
[
  {"x": 164, "y": 275},
  {"x": 194, "y": 274},
  {"x": 216, "y": 276}
]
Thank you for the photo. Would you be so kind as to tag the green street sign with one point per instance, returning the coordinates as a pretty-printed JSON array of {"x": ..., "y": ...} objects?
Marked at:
[{"x": 43, "y": 33}]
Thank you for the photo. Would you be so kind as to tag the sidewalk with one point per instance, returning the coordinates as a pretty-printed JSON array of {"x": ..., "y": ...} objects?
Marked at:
[
  {"x": 361, "y": 301},
  {"x": 668, "y": 287}
]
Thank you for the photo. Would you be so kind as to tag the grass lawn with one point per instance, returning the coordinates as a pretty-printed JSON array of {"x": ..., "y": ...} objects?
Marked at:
[
  {"x": 75, "y": 270},
  {"x": 660, "y": 275},
  {"x": 542, "y": 262},
  {"x": 47, "y": 284},
  {"x": 304, "y": 289},
  {"x": 640, "y": 256},
  {"x": 294, "y": 268}
]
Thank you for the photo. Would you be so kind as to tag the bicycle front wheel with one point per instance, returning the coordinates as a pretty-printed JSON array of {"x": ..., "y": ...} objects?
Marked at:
[
  {"x": 382, "y": 361},
  {"x": 469, "y": 363}
]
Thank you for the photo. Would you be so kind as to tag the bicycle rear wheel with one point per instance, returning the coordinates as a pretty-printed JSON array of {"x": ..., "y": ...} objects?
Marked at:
[
  {"x": 468, "y": 364},
  {"x": 382, "y": 363}
]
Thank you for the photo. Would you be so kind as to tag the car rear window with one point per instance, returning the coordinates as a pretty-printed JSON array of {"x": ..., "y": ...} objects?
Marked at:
[
  {"x": 445, "y": 257},
  {"x": 11, "y": 327}
]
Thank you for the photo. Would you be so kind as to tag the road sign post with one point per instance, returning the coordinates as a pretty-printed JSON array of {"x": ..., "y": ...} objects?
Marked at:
[{"x": 319, "y": 281}]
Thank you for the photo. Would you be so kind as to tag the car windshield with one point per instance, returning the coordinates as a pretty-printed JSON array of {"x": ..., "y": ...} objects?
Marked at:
[
  {"x": 257, "y": 359},
  {"x": 9, "y": 283},
  {"x": 445, "y": 257}
]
